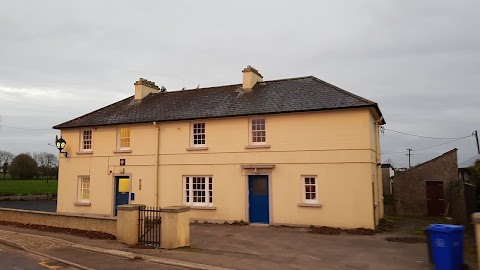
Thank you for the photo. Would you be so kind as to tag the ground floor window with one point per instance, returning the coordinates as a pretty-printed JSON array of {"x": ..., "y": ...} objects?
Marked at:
[
  {"x": 84, "y": 188},
  {"x": 309, "y": 184},
  {"x": 198, "y": 190}
]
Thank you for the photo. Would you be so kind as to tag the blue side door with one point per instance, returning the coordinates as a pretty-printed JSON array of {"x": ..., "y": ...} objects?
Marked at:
[
  {"x": 121, "y": 192},
  {"x": 258, "y": 199}
]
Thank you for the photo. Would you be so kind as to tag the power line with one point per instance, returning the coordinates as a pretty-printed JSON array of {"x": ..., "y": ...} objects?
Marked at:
[
  {"x": 442, "y": 143},
  {"x": 421, "y": 136},
  {"x": 428, "y": 147}
]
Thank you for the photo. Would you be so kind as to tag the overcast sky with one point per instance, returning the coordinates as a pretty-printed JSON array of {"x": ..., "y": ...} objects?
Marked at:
[{"x": 419, "y": 60}]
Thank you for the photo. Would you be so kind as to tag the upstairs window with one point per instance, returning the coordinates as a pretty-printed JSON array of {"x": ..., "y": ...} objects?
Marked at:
[
  {"x": 258, "y": 132},
  {"x": 86, "y": 140},
  {"x": 198, "y": 134},
  {"x": 124, "y": 138},
  {"x": 198, "y": 190}
]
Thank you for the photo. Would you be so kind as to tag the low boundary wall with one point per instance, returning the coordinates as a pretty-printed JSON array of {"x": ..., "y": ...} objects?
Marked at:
[{"x": 80, "y": 222}]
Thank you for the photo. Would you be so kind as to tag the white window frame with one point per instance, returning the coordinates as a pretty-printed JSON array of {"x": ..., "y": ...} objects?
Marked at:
[
  {"x": 81, "y": 188},
  {"x": 251, "y": 130},
  {"x": 193, "y": 134},
  {"x": 188, "y": 194},
  {"x": 82, "y": 140},
  {"x": 119, "y": 138},
  {"x": 304, "y": 189}
]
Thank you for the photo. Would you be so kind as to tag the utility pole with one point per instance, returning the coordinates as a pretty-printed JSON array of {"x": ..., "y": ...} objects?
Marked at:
[
  {"x": 475, "y": 133},
  {"x": 409, "y": 154}
]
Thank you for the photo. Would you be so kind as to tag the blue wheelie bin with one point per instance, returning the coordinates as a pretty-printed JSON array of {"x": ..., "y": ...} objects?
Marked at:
[{"x": 446, "y": 244}]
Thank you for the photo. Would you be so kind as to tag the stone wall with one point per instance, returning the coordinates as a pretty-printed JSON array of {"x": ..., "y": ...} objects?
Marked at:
[
  {"x": 409, "y": 187},
  {"x": 80, "y": 222}
]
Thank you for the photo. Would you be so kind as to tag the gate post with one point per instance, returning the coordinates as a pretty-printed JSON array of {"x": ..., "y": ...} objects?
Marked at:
[
  {"x": 476, "y": 223},
  {"x": 127, "y": 223},
  {"x": 175, "y": 228}
]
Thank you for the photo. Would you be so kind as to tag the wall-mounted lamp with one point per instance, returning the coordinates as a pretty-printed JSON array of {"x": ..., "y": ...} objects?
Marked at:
[{"x": 60, "y": 143}]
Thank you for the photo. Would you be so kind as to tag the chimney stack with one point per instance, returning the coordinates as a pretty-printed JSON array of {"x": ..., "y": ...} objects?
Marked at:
[
  {"x": 144, "y": 87},
  {"x": 250, "y": 77}
]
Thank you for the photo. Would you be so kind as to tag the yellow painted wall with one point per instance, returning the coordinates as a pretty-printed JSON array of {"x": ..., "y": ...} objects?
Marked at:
[{"x": 340, "y": 147}]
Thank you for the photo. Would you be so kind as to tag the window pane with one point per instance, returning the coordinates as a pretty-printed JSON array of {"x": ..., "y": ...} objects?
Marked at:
[
  {"x": 310, "y": 188},
  {"x": 198, "y": 133},
  {"x": 87, "y": 140},
  {"x": 198, "y": 190},
  {"x": 124, "y": 136},
  {"x": 260, "y": 186},
  {"x": 258, "y": 130},
  {"x": 84, "y": 188}
]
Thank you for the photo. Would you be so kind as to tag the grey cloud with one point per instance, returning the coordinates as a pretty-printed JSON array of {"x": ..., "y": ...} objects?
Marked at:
[{"x": 419, "y": 61}]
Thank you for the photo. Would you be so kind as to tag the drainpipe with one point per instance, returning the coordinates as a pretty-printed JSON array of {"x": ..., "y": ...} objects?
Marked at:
[
  {"x": 157, "y": 158},
  {"x": 377, "y": 170}
]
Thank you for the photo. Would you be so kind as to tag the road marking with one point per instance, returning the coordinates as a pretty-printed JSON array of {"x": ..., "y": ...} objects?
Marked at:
[{"x": 53, "y": 267}]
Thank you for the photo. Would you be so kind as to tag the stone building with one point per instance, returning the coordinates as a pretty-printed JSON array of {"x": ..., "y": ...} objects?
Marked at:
[{"x": 431, "y": 189}]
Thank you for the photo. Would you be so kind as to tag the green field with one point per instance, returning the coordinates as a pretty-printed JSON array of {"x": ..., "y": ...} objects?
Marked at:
[{"x": 15, "y": 187}]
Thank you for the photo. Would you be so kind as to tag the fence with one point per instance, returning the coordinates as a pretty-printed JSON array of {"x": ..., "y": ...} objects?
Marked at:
[{"x": 149, "y": 226}]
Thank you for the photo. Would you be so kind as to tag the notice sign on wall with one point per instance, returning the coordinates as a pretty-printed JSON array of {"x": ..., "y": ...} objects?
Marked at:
[
  {"x": 124, "y": 185},
  {"x": 122, "y": 162}
]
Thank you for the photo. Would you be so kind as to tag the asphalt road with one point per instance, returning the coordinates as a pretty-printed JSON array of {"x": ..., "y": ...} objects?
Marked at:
[
  {"x": 17, "y": 259},
  {"x": 46, "y": 206},
  {"x": 100, "y": 261}
]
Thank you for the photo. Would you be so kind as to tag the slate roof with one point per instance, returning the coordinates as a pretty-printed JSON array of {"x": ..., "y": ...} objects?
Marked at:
[
  {"x": 451, "y": 152},
  {"x": 269, "y": 97}
]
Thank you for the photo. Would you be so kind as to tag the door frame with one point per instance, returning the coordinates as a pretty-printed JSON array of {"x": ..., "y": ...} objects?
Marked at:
[
  {"x": 268, "y": 174},
  {"x": 114, "y": 189}
]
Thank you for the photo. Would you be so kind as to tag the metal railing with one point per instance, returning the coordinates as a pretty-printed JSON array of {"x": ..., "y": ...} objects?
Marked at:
[{"x": 149, "y": 226}]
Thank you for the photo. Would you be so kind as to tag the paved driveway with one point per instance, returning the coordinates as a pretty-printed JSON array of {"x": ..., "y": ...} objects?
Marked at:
[{"x": 252, "y": 247}]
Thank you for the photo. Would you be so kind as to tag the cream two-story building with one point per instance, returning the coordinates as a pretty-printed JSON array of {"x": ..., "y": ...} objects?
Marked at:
[{"x": 291, "y": 151}]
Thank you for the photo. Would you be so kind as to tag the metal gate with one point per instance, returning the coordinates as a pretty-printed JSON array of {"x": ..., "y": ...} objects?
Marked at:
[{"x": 149, "y": 224}]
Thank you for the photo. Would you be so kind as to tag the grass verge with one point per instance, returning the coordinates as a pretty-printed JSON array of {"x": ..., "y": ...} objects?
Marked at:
[{"x": 16, "y": 187}]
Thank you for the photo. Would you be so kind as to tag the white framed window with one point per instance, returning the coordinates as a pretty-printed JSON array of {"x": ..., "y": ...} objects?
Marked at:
[
  {"x": 258, "y": 134},
  {"x": 198, "y": 134},
  {"x": 309, "y": 189},
  {"x": 83, "y": 188},
  {"x": 198, "y": 190},
  {"x": 123, "y": 136},
  {"x": 86, "y": 140}
]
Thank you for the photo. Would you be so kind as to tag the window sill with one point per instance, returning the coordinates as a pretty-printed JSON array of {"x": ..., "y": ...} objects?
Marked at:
[
  {"x": 82, "y": 203},
  {"x": 198, "y": 148},
  {"x": 122, "y": 151},
  {"x": 202, "y": 207},
  {"x": 255, "y": 146},
  {"x": 84, "y": 153},
  {"x": 318, "y": 205}
]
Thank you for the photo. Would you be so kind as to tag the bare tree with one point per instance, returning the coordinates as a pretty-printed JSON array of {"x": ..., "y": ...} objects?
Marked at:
[
  {"x": 5, "y": 158},
  {"x": 47, "y": 164}
]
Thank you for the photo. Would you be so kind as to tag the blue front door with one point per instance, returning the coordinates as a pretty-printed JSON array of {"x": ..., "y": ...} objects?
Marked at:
[
  {"x": 258, "y": 199},
  {"x": 122, "y": 190}
]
